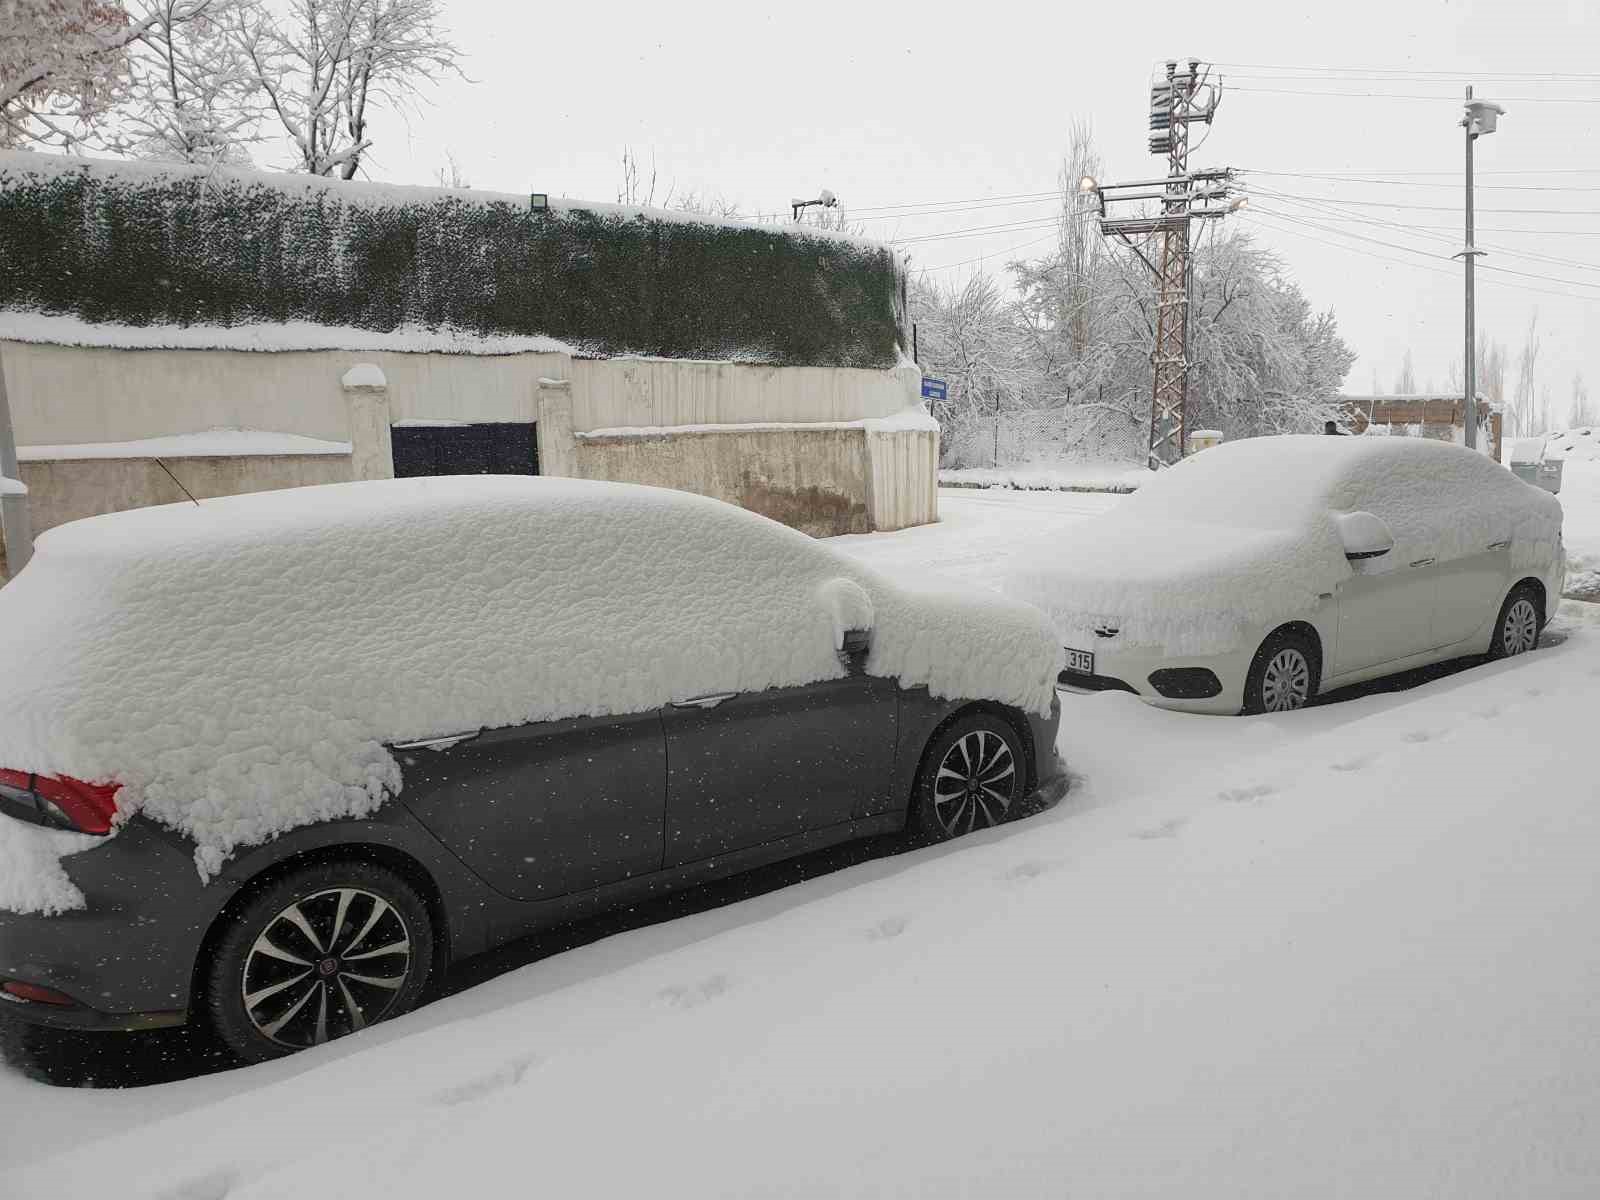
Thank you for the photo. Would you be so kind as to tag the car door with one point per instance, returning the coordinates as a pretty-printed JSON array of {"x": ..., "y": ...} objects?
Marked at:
[
  {"x": 744, "y": 770},
  {"x": 1385, "y": 613},
  {"x": 1471, "y": 589},
  {"x": 545, "y": 809}
]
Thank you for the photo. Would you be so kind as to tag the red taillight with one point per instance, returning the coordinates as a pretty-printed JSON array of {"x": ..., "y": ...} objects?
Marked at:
[
  {"x": 35, "y": 994},
  {"x": 88, "y": 807}
]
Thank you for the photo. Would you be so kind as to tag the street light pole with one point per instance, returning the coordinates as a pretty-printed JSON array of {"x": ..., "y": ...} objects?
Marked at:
[
  {"x": 1470, "y": 412},
  {"x": 1481, "y": 118}
]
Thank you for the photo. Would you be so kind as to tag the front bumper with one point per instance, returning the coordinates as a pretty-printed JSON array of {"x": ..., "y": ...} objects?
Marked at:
[{"x": 1130, "y": 670}]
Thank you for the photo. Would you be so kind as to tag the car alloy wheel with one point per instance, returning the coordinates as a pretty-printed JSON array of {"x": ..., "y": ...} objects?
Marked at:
[
  {"x": 315, "y": 953},
  {"x": 1286, "y": 683},
  {"x": 325, "y": 966},
  {"x": 976, "y": 781},
  {"x": 1519, "y": 632}
]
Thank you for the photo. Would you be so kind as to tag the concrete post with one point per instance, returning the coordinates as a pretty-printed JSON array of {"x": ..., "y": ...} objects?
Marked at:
[
  {"x": 366, "y": 392},
  {"x": 16, "y": 531},
  {"x": 558, "y": 449}
]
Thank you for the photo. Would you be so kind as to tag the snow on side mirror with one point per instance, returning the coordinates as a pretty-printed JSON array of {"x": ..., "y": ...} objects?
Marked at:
[{"x": 1364, "y": 536}]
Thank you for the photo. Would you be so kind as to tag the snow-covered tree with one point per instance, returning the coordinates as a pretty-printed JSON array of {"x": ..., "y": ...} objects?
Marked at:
[
  {"x": 327, "y": 65},
  {"x": 1583, "y": 411},
  {"x": 63, "y": 64},
  {"x": 192, "y": 96}
]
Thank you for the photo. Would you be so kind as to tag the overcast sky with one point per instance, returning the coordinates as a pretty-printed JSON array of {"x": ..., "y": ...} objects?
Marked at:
[{"x": 919, "y": 104}]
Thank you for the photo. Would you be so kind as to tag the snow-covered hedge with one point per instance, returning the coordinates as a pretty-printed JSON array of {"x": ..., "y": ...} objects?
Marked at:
[
  {"x": 171, "y": 246},
  {"x": 238, "y": 665}
]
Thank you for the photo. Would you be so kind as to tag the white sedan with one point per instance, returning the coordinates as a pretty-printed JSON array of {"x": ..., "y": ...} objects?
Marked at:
[{"x": 1254, "y": 575}]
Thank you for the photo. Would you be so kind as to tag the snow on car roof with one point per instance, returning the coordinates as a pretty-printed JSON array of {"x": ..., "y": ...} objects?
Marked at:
[
  {"x": 239, "y": 665},
  {"x": 1243, "y": 534}
]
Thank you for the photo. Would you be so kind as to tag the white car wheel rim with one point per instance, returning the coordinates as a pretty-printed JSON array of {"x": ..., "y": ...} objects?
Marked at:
[
  {"x": 1521, "y": 632},
  {"x": 1286, "y": 683}
]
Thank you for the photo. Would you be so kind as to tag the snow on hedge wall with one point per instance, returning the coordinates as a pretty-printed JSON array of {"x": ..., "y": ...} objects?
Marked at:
[{"x": 143, "y": 245}]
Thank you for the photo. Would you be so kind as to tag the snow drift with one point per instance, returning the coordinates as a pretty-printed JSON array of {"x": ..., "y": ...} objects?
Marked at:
[
  {"x": 1245, "y": 534},
  {"x": 239, "y": 665}
]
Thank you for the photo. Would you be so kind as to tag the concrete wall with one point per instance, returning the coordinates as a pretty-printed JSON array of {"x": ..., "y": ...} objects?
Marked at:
[
  {"x": 820, "y": 479},
  {"x": 622, "y": 392},
  {"x": 814, "y": 480},
  {"x": 62, "y": 394}
]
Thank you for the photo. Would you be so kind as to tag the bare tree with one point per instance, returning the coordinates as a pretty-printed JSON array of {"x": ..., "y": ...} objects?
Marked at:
[
  {"x": 192, "y": 97},
  {"x": 1530, "y": 408},
  {"x": 1405, "y": 383},
  {"x": 634, "y": 189},
  {"x": 329, "y": 64},
  {"x": 450, "y": 175},
  {"x": 1583, "y": 411}
]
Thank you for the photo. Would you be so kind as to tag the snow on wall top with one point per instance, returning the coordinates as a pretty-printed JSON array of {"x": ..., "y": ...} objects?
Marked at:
[
  {"x": 239, "y": 665},
  {"x": 1243, "y": 535}
]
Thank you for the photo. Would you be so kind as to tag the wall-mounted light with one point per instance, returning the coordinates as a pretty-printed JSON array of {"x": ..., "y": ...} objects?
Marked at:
[{"x": 539, "y": 201}]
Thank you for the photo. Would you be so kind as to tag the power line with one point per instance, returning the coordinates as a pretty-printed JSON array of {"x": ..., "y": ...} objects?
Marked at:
[
  {"x": 1581, "y": 283},
  {"x": 1527, "y": 212},
  {"x": 976, "y": 231},
  {"x": 1418, "y": 72},
  {"x": 1485, "y": 187},
  {"x": 1409, "y": 96},
  {"x": 1049, "y": 237}
]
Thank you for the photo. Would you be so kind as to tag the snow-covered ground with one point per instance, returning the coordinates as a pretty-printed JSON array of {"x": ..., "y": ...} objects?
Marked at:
[
  {"x": 1347, "y": 951},
  {"x": 1061, "y": 477}
]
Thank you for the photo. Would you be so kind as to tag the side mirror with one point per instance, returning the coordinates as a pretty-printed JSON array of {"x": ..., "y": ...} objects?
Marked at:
[
  {"x": 853, "y": 654},
  {"x": 1364, "y": 536}
]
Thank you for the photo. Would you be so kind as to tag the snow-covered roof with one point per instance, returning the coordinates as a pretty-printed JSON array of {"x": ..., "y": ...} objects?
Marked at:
[
  {"x": 1244, "y": 534},
  {"x": 1581, "y": 443},
  {"x": 239, "y": 665}
]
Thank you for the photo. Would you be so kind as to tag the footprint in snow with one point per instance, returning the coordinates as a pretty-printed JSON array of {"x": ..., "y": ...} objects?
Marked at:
[
  {"x": 1031, "y": 869},
  {"x": 1418, "y": 735},
  {"x": 1246, "y": 795},
  {"x": 889, "y": 927},
  {"x": 1166, "y": 829},
  {"x": 1491, "y": 711},
  {"x": 694, "y": 994},
  {"x": 486, "y": 1085},
  {"x": 1359, "y": 762},
  {"x": 212, "y": 1186},
  {"x": 1534, "y": 692}
]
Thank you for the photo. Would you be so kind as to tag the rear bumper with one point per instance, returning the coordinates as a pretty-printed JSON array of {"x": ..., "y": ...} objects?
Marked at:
[{"x": 126, "y": 959}]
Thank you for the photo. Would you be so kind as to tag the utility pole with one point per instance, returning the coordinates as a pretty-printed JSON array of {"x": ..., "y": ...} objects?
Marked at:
[
  {"x": 1184, "y": 98},
  {"x": 1481, "y": 117},
  {"x": 15, "y": 530}
]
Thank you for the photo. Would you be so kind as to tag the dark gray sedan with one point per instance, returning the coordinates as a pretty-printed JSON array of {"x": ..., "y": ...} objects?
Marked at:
[{"x": 494, "y": 830}]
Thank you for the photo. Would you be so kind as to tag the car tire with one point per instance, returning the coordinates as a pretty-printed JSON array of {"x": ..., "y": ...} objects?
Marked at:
[
  {"x": 312, "y": 955},
  {"x": 1284, "y": 674},
  {"x": 1521, "y": 621},
  {"x": 985, "y": 753}
]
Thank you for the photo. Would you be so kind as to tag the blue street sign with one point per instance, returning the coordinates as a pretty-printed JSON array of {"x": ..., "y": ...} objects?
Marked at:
[{"x": 933, "y": 389}]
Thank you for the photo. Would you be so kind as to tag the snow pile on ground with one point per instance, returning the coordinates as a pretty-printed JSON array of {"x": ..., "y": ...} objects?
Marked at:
[
  {"x": 213, "y": 443},
  {"x": 1244, "y": 535},
  {"x": 1580, "y": 501},
  {"x": 1111, "y": 476},
  {"x": 238, "y": 665},
  {"x": 1344, "y": 952}
]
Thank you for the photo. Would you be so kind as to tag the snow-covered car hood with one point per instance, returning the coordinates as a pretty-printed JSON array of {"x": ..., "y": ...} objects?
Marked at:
[
  {"x": 239, "y": 666},
  {"x": 1183, "y": 588}
]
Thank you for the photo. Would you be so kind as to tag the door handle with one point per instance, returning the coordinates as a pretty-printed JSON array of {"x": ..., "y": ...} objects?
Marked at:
[
  {"x": 1423, "y": 562},
  {"x": 1500, "y": 545},
  {"x": 705, "y": 701}
]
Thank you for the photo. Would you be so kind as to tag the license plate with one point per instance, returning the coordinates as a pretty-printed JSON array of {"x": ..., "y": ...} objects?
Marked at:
[{"x": 1080, "y": 662}]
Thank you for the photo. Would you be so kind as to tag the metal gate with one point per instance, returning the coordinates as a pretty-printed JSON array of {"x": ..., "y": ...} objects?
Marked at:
[{"x": 481, "y": 448}]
